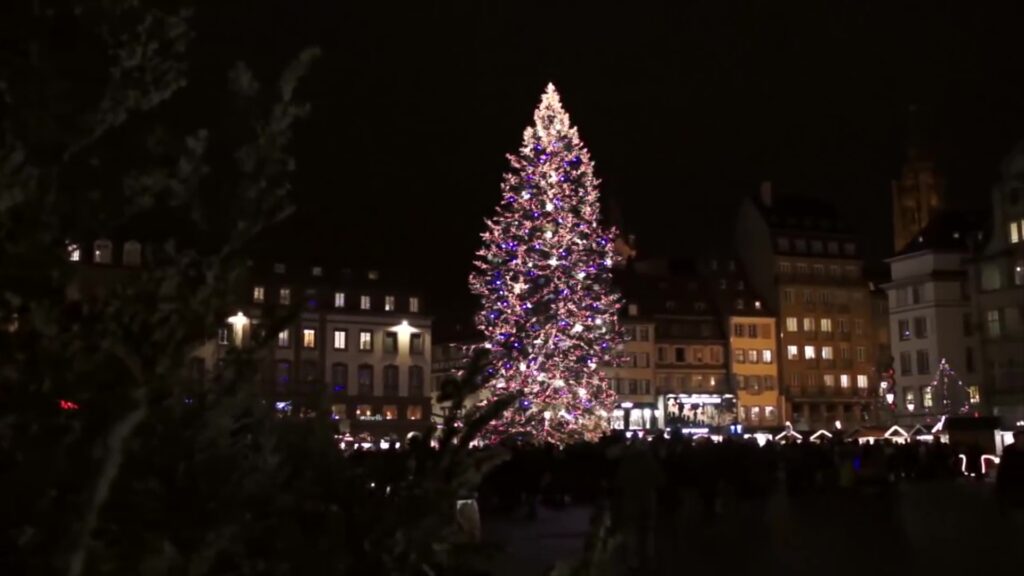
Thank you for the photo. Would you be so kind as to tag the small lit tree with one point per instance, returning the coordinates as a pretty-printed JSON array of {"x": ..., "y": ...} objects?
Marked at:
[{"x": 951, "y": 391}]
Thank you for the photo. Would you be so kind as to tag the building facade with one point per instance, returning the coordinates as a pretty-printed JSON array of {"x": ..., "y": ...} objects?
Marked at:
[
  {"x": 997, "y": 278},
  {"x": 633, "y": 378},
  {"x": 807, "y": 264},
  {"x": 931, "y": 320}
]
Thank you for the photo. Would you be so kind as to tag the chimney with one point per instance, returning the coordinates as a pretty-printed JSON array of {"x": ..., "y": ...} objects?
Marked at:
[{"x": 766, "y": 193}]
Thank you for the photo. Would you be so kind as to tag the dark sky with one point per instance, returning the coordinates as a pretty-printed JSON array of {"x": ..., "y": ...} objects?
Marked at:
[{"x": 685, "y": 107}]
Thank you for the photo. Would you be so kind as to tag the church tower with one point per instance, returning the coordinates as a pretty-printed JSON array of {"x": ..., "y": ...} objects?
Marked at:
[{"x": 918, "y": 194}]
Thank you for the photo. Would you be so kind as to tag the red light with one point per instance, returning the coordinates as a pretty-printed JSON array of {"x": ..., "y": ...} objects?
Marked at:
[{"x": 68, "y": 405}]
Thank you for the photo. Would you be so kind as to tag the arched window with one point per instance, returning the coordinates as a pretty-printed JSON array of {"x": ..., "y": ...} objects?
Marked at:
[
  {"x": 132, "y": 255},
  {"x": 415, "y": 381},
  {"x": 391, "y": 380},
  {"x": 101, "y": 252},
  {"x": 364, "y": 379},
  {"x": 339, "y": 376}
]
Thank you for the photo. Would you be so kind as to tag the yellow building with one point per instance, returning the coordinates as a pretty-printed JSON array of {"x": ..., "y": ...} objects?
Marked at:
[
  {"x": 754, "y": 366},
  {"x": 633, "y": 379}
]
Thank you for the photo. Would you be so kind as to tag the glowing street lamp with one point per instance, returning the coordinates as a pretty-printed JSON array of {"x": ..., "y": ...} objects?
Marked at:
[{"x": 238, "y": 323}]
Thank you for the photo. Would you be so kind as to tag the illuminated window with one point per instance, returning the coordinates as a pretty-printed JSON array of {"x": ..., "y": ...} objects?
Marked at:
[
  {"x": 318, "y": 271},
  {"x": 825, "y": 325},
  {"x": 131, "y": 254},
  {"x": 365, "y": 340},
  {"x": 222, "y": 335},
  {"x": 926, "y": 396},
  {"x": 102, "y": 252},
  {"x": 792, "y": 324},
  {"x": 752, "y": 356},
  {"x": 283, "y": 338},
  {"x": 792, "y": 352},
  {"x": 785, "y": 268},
  {"x": 801, "y": 268},
  {"x": 740, "y": 356},
  {"x": 74, "y": 253},
  {"x": 809, "y": 353},
  {"x": 414, "y": 412},
  {"x": 1015, "y": 232},
  {"x": 766, "y": 356},
  {"x": 844, "y": 381},
  {"x": 829, "y": 380},
  {"x": 390, "y": 412},
  {"x": 909, "y": 399},
  {"x": 364, "y": 412},
  {"x": 389, "y": 303},
  {"x": 755, "y": 414},
  {"x": 414, "y": 304},
  {"x": 975, "y": 394},
  {"x": 862, "y": 381},
  {"x": 364, "y": 302},
  {"x": 826, "y": 353},
  {"x": 632, "y": 310},
  {"x": 340, "y": 339},
  {"x": 1018, "y": 273},
  {"x": 339, "y": 299},
  {"x": 993, "y": 326},
  {"x": 284, "y": 296},
  {"x": 809, "y": 324},
  {"x": 308, "y": 338},
  {"x": 770, "y": 414},
  {"x": 257, "y": 294}
]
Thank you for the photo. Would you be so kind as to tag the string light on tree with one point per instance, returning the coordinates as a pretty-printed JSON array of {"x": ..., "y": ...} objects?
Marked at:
[
  {"x": 956, "y": 398},
  {"x": 544, "y": 278}
]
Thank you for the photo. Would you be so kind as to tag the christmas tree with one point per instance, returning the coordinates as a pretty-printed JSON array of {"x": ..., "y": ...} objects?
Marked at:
[
  {"x": 955, "y": 397},
  {"x": 544, "y": 276}
]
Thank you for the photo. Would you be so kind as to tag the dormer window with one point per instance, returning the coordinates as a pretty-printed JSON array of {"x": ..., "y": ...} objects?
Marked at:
[
  {"x": 74, "y": 253},
  {"x": 279, "y": 268},
  {"x": 373, "y": 275},
  {"x": 339, "y": 299},
  {"x": 389, "y": 303},
  {"x": 257, "y": 294},
  {"x": 364, "y": 302},
  {"x": 102, "y": 252},
  {"x": 414, "y": 304},
  {"x": 318, "y": 271},
  {"x": 132, "y": 254},
  {"x": 284, "y": 296},
  {"x": 632, "y": 309}
]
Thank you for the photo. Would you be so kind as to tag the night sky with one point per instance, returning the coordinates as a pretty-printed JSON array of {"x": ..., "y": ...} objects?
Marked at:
[{"x": 685, "y": 106}]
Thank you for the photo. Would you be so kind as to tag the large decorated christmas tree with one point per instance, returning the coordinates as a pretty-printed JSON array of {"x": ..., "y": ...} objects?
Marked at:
[{"x": 544, "y": 276}]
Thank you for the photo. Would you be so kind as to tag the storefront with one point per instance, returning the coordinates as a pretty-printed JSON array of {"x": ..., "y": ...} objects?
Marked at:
[
  {"x": 698, "y": 410},
  {"x": 636, "y": 416}
]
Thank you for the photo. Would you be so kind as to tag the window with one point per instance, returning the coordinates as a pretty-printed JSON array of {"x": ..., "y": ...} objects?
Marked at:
[
  {"x": 391, "y": 380},
  {"x": 391, "y": 342},
  {"x": 643, "y": 334},
  {"x": 364, "y": 302},
  {"x": 825, "y": 325},
  {"x": 909, "y": 399},
  {"x": 792, "y": 352},
  {"x": 819, "y": 269},
  {"x": 829, "y": 380},
  {"x": 284, "y": 296},
  {"x": 904, "y": 329},
  {"x": 809, "y": 353},
  {"x": 309, "y": 371},
  {"x": 834, "y": 271},
  {"x": 862, "y": 381},
  {"x": 794, "y": 380},
  {"x": 737, "y": 330},
  {"x": 801, "y": 269},
  {"x": 740, "y": 356},
  {"x": 915, "y": 294},
  {"x": 969, "y": 359},
  {"x": 991, "y": 277},
  {"x": 131, "y": 254},
  {"x": 801, "y": 245},
  {"x": 922, "y": 362},
  {"x": 993, "y": 325},
  {"x": 632, "y": 309},
  {"x": 809, "y": 324},
  {"x": 416, "y": 381},
  {"x": 844, "y": 381},
  {"x": 975, "y": 394},
  {"x": 283, "y": 338},
  {"x": 389, "y": 303},
  {"x": 862, "y": 354},
  {"x": 752, "y": 356},
  {"x": 787, "y": 296},
  {"x": 926, "y": 396},
  {"x": 414, "y": 304},
  {"x": 643, "y": 360},
  {"x": 783, "y": 244},
  {"x": 827, "y": 353},
  {"x": 698, "y": 354},
  {"x": 222, "y": 335},
  {"x": 414, "y": 412},
  {"x": 102, "y": 252},
  {"x": 339, "y": 376},
  {"x": 365, "y": 340},
  {"x": 364, "y": 412},
  {"x": 766, "y": 356},
  {"x": 390, "y": 412},
  {"x": 858, "y": 326},
  {"x": 257, "y": 294},
  {"x": 662, "y": 354},
  {"x": 920, "y": 327},
  {"x": 752, "y": 330},
  {"x": 680, "y": 354},
  {"x": 340, "y": 339},
  {"x": 339, "y": 299},
  {"x": 283, "y": 374},
  {"x": 785, "y": 268},
  {"x": 364, "y": 379},
  {"x": 279, "y": 268},
  {"x": 631, "y": 385},
  {"x": 844, "y": 325},
  {"x": 309, "y": 338},
  {"x": 792, "y": 324},
  {"x": 318, "y": 271},
  {"x": 905, "y": 367},
  {"x": 1015, "y": 232},
  {"x": 739, "y": 304},
  {"x": 74, "y": 253},
  {"x": 844, "y": 352},
  {"x": 1018, "y": 273},
  {"x": 416, "y": 343}
]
